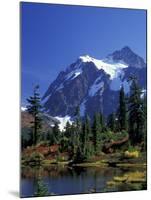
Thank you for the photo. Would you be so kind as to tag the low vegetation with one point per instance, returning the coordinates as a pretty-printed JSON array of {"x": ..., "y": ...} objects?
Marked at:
[
  {"x": 133, "y": 154},
  {"x": 86, "y": 141},
  {"x": 135, "y": 180}
]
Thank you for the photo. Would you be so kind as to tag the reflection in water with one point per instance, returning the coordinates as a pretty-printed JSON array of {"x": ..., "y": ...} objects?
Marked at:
[{"x": 70, "y": 180}]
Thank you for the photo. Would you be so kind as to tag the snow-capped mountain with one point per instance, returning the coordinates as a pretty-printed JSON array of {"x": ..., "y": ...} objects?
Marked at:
[{"x": 93, "y": 84}]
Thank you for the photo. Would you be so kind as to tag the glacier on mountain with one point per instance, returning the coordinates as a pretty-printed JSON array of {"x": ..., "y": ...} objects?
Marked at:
[
  {"x": 111, "y": 68},
  {"x": 93, "y": 84}
]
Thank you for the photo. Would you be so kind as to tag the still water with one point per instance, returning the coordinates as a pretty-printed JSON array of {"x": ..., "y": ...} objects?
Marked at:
[{"x": 67, "y": 180}]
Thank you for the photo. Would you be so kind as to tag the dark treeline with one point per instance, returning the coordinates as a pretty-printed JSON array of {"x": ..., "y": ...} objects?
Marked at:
[{"x": 85, "y": 138}]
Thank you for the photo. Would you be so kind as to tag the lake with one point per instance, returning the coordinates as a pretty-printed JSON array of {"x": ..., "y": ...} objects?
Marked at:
[{"x": 61, "y": 180}]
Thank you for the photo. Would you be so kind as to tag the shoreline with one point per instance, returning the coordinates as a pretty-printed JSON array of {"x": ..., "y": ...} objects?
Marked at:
[{"x": 47, "y": 163}]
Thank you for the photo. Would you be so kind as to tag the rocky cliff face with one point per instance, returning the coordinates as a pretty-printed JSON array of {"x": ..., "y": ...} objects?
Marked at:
[{"x": 93, "y": 84}]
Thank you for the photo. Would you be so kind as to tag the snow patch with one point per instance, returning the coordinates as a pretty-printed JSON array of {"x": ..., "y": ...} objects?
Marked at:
[
  {"x": 97, "y": 85},
  {"x": 23, "y": 109},
  {"x": 111, "y": 68},
  {"x": 61, "y": 86},
  {"x": 143, "y": 93},
  {"x": 73, "y": 74},
  {"x": 77, "y": 74},
  {"x": 63, "y": 121},
  {"x": 86, "y": 58},
  {"x": 52, "y": 125},
  {"x": 46, "y": 98},
  {"x": 70, "y": 76}
]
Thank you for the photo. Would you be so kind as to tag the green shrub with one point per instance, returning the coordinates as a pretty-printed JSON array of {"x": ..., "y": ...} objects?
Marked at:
[
  {"x": 132, "y": 154},
  {"x": 132, "y": 148},
  {"x": 109, "y": 135},
  {"x": 61, "y": 158},
  {"x": 34, "y": 159}
]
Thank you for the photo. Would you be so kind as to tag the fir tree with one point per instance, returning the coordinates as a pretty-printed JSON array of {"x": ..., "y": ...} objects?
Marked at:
[
  {"x": 51, "y": 138},
  {"x": 78, "y": 156},
  {"x": 73, "y": 140},
  {"x": 96, "y": 133},
  {"x": 77, "y": 128},
  {"x": 136, "y": 114},
  {"x": 145, "y": 122},
  {"x": 102, "y": 122},
  {"x": 86, "y": 147},
  {"x": 34, "y": 108},
  {"x": 68, "y": 129},
  {"x": 78, "y": 121},
  {"x": 122, "y": 110},
  {"x": 111, "y": 122},
  {"x": 56, "y": 132}
]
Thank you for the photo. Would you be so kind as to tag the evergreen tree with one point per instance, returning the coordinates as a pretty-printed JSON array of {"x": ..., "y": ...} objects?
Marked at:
[
  {"x": 111, "y": 122},
  {"x": 34, "y": 108},
  {"x": 102, "y": 122},
  {"x": 56, "y": 132},
  {"x": 69, "y": 134},
  {"x": 86, "y": 146},
  {"x": 78, "y": 121},
  {"x": 51, "y": 138},
  {"x": 78, "y": 156},
  {"x": 26, "y": 137},
  {"x": 64, "y": 143},
  {"x": 96, "y": 133},
  {"x": 145, "y": 122},
  {"x": 77, "y": 129},
  {"x": 136, "y": 114},
  {"x": 68, "y": 129},
  {"x": 122, "y": 110},
  {"x": 73, "y": 140}
]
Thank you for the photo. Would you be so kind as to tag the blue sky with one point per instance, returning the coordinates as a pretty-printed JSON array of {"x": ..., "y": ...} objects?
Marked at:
[{"x": 54, "y": 36}]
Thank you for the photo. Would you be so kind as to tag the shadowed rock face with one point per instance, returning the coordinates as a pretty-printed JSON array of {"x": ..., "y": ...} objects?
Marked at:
[
  {"x": 129, "y": 57},
  {"x": 92, "y": 87}
]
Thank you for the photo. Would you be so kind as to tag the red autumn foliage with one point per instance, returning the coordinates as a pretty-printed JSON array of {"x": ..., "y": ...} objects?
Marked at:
[{"x": 42, "y": 149}]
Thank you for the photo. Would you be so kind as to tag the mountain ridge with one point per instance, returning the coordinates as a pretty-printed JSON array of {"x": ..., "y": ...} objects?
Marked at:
[{"x": 93, "y": 84}]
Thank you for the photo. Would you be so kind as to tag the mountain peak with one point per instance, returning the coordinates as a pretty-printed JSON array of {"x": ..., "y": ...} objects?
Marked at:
[
  {"x": 127, "y": 56},
  {"x": 127, "y": 49},
  {"x": 86, "y": 58},
  {"x": 122, "y": 53},
  {"x": 93, "y": 84}
]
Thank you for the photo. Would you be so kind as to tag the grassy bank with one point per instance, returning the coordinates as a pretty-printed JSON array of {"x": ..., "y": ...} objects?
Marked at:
[
  {"x": 135, "y": 180},
  {"x": 104, "y": 160}
]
